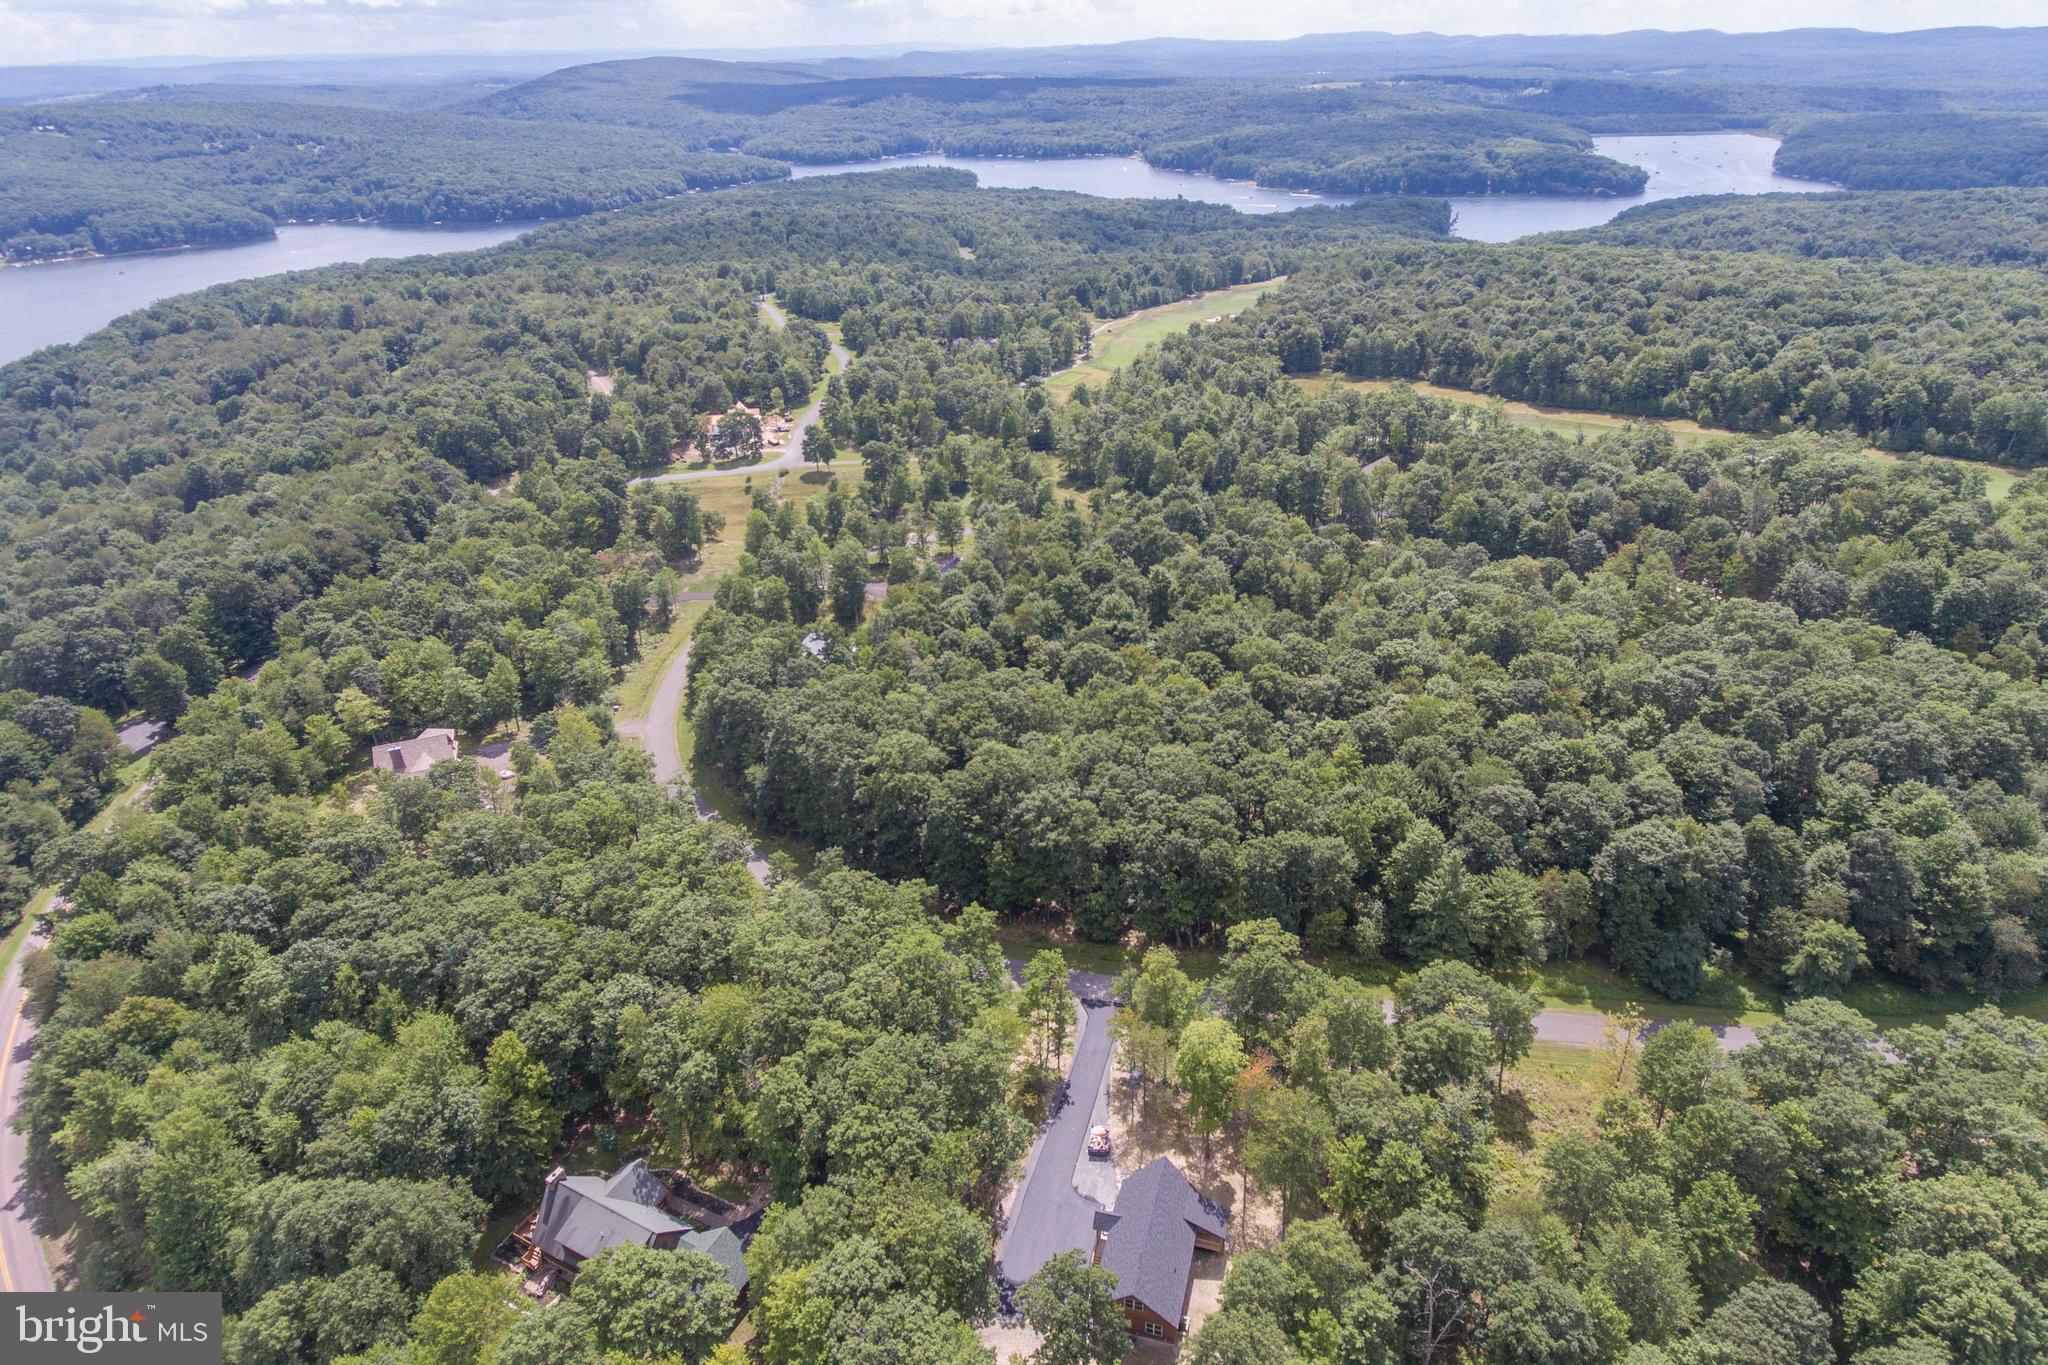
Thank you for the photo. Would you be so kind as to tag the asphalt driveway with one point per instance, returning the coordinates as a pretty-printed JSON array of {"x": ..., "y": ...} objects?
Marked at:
[{"x": 1051, "y": 1215}]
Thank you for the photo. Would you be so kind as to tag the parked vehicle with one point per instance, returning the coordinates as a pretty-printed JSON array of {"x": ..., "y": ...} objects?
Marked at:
[{"x": 1098, "y": 1142}]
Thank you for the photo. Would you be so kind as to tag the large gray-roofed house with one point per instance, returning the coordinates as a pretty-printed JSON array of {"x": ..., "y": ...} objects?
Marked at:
[
  {"x": 1149, "y": 1242},
  {"x": 583, "y": 1215},
  {"x": 411, "y": 757}
]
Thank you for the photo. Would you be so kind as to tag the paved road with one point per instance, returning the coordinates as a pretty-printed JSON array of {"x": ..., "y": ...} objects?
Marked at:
[
  {"x": 657, "y": 734},
  {"x": 140, "y": 737},
  {"x": 1576, "y": 1028},
  {"x": 1051, "y": 1215},
  {"x": 791, "y": 456},
  {"x": 21, "y": 1258}
]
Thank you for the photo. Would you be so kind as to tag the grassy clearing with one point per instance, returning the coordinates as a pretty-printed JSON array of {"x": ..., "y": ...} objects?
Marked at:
[
  {"x": 1999, "y": 480},
  {"x": 1561, "y": 1087},
  {"x": 1569, "y": 422},
  {"x": 732, "y": 497},
  {"x": 1119, "y": 341}
]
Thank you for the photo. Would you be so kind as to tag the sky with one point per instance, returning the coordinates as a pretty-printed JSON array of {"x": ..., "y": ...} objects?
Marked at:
[{"x": 34, "y": 31}]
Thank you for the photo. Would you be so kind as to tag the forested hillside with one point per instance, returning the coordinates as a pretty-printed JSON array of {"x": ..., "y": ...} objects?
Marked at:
[
  {"x": 1498, "y": 699},
  {"x": 135, "y": 175},
  {"x": 1341, "y": 138},
  {"x": 269, "y": 464},
  {"x": 1348, "y": 693},
  {"x": 2004, "y": 227},
  {"x": 1909, "y": 357},
  {"x": 1920, "y": 151}
]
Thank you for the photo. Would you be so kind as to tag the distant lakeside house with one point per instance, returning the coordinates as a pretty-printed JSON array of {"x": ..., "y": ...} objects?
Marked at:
[
  {"x": 1149, "y": 1242},
  {"x": 581, "y": 1216}
]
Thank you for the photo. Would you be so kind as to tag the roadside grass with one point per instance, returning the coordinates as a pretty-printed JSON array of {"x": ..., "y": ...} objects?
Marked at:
[
  {"x": 636, "y": 689},
  {"x": 1558, "y": 1087},
  {"x": 720, "y": 795},
  {"x": 1731, "y": 996},
  {"x": 1736, "y": 996},
  {"x": 1025, "y": 941},
  {"x": 60, "y": 1252},
  {"x": 1118, "y": 342},
  {"x": 130, "y": 776},
  {"x": 1999, "y": 480}
]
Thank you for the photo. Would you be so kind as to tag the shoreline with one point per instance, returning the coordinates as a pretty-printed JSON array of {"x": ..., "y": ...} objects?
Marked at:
[{"x": 276, "y": 229}]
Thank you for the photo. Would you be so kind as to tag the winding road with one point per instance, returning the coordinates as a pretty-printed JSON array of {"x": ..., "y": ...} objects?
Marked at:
[
  {"x": 22, "y": 1269},
  {"x": 791, "y": 455},
  {"x": 656, "y": 733}
]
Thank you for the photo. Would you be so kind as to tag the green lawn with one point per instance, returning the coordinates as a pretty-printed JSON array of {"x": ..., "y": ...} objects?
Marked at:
[{"x": 1122, "y": 339}]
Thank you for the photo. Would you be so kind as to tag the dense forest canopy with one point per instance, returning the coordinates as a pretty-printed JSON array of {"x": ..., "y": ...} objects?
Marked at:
[
  {"x": 1428, "y": 710},
  {"x": 140, "y": 174},
  {"x": 1909, "y": 357},
  {"x": 1920, "y": 151},
  {"x": 219, "y": 476},
  {"x": 1249, "y": 651},
  {"x": 1341, "y": 138},
  {"x": 2004, "y": 227}
]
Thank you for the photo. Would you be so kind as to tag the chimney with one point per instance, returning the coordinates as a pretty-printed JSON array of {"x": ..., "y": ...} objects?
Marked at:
[
  {"x": 547, "y": 1199},
  {"x": 397, "y": 752}
]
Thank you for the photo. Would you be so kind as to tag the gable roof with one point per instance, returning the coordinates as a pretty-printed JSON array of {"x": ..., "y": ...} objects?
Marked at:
[
  {"x": 589, "y": 1214},
  {"x": 415, "y": 755},
  {"x": 722, "y": 1246},
  {"x": 1151, "y": 1243}
]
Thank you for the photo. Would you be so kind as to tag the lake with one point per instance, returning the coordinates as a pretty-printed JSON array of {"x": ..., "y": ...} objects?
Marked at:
[
  {"x": 42, "y": 305},
  {"x": 46, "y": 304},
  {"x": 1686, "y": 163}
]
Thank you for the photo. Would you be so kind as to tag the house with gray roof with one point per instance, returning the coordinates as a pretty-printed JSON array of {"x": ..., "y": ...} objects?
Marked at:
[
  {"x": 1149, "y": 1241},
  {"x": 581, "y": 1216},
  {"x": 411, "y": 757}
]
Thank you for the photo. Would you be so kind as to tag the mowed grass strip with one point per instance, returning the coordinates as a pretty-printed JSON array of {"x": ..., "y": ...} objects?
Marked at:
[
  {"x": 1999, "y": 479},
  {"x": 1120, "y": 340}
]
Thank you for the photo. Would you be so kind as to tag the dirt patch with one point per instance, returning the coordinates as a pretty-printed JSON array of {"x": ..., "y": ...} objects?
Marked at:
[
  {"x": 1148, "y": 1122},
  {"x": 1205, "y": 1293},
  {"x": 1009, "y": 1342},
  {"x": 600, "y": 383}
]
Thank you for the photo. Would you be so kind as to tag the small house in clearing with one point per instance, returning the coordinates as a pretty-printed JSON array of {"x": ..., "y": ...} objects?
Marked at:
[
  {"x": 411, "y": 757},
  {"x": 1149, "y": 1242},
  {"x": 583, "y": 1215}
]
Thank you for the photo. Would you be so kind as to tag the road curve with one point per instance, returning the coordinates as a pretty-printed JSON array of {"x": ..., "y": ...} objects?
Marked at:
[
  {"x": 21, "y": 1258},
  {"x": 791, "y": 455},
  {"x": 656, "y": 733}
]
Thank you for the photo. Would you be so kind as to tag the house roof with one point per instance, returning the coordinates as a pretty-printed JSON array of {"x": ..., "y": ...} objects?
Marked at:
[
  {"x": 1151, "y": 1244},
  {"x": 415, "y": 755},
  {"x": 591, "y": 1214},
  {"x": 722, "y": 1246}
]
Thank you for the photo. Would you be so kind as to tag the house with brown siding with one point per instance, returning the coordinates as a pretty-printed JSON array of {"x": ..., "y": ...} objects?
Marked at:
[{"x": 1149, "y": 1241}]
